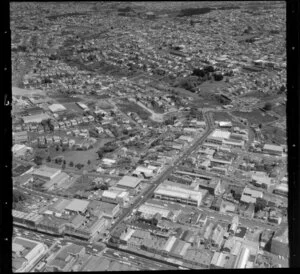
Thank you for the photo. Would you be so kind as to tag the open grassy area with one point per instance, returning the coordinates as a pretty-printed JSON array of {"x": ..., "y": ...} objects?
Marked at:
[
  {"x": 133, "y": 107},
  {"x": 281, "y": 110},
  {"x": 255, "y": 116},
  {"x": 80, "y": 156},
  {"x": 222, "y": 116},
  {"x": 274, "y": 134}
]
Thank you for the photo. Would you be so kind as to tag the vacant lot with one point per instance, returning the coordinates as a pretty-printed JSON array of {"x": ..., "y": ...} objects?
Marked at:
[{"x": 255, "y": 116}]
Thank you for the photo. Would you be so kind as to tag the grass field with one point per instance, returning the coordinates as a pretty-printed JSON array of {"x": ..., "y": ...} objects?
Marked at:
[
  {"x": 281, "y": 110},
  {"x": 133, "y": 107},
  {"x": 80, "y": 157},
  {"x": 274, "y": 134},
  {"x": 255, "y": 116},
  {"x": 222, "y": 116},
  {"x": 73, "y": 107}
]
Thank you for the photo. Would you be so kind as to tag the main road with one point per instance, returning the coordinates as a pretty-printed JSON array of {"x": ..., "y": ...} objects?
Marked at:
[{"x": 164, "y": 175}]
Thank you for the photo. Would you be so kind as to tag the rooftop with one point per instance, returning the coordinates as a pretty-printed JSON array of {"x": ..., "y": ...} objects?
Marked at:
[
  {"x": 129, "y": 181},
  {"x": 222, "y": 134},
  {"x": 77, "y": 205}
]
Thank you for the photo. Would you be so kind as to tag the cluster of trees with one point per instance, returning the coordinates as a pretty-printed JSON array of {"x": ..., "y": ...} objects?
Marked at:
[
  {"x": 207, "y": 72},
  {"x": 17, "y": 198},
  {"x": 47, "y": 124},
  {"x": 268, "y": 106},
  {"x": 170, "y": 121},
  {"x": 109, "y": 147},
  {"x": 38, "y": 160},
  {"x": 222, "y": 100},
  {"x": 95, "y": 187},
  {"x": 79, "y": 166}
]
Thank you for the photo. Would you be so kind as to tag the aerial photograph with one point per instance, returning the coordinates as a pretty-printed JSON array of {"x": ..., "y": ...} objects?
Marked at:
[{"x": 149, "y": 135}]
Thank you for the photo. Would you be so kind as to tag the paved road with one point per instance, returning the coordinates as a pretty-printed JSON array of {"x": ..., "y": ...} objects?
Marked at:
[
  {"x": 138, "y": 261},
  {"x": 164, "y": 174}
]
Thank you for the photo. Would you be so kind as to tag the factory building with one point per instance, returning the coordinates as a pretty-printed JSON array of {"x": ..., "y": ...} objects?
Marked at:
[
  {"x": 273, "y": 149},
  {"x": 25, "y": 253},
  {"x": 46, "y": 173},
  {"x": 171, "y": 192}
]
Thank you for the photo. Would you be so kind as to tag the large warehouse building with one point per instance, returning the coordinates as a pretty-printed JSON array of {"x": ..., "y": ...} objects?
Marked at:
[{"x": 172, "y": 192}]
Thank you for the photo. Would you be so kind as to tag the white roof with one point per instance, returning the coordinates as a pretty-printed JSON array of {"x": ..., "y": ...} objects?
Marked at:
[
  {"x": 129, "y": 181},
  {"x": 225, "y": 123},
  {"x": 56, "y": 107},
  {"x": 220, "y": 134},
  {"x": 254, "y": 193},
  {"x": 77, "y": 205},
  {"x": 46, "y": 171},
  {"x": 109, "y": 194},
  {"x": 169, "y": 244},
  {"x": 261, "y": 179},
  {"x": 282, "y": 187},
  {"x": 144, "y": 169},
  {"x": 152, "y": 210},
  {"x": 248, "y": 199},
  {"x": 174, "y": 191},
  {"x": 17, "y": 147},
  {"x": 107, "y": 160},
  {"x": 273, "y": 147},
  {"x": 35, "y": 118}
]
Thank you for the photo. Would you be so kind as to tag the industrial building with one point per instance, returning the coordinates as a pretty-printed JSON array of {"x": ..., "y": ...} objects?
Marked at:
[
  {"x": 20, "y": 137},
  {"x": 65, "y": 258},
  {"x": 46, "y": 173},
  {"x": 143, "y": 172},
  {"x": 273, "y": 149},
  {"x": 281, "y": 189},
  {"x": 108, "y": 210},
  {"x": 280, "y": 242},
  {"x": 171, "y": 192},
  {"x": 149, "y": 211},
  {"x": 25, "y": 253},
  {"x": 20, "y": 150},
  {"x": 56, "y": 108},
  {"x": 77, "y": 206},
  {"x": 242, "y": 258},
  {"x": 225, "y": 138},
  {"x": 250, "y": 195},
  {"x": 129, "y": 182}
]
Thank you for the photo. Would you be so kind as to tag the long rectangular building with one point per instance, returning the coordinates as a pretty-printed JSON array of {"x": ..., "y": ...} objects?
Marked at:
[{"x": 167, "y": 191}]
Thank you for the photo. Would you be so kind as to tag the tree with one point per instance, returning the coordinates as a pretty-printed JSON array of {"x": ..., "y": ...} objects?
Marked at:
[
  {"x": 89, "y": 162},
  {"x": 38, "y": 160},
  {"x": 267, "y": 106},
  {"x": 71, "y": 164},
  {"x": 218, "y": 77},
  {"x": 49, "y": 159},
  {"x": 57, "y": 148}
]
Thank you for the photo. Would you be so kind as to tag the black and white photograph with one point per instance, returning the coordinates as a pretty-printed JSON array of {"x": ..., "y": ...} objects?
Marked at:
[{"x": 149, "y": 136}]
